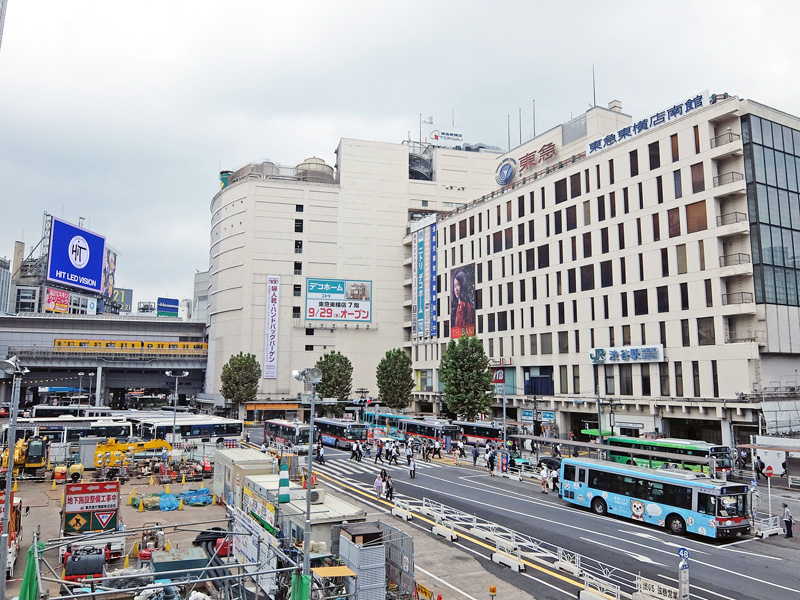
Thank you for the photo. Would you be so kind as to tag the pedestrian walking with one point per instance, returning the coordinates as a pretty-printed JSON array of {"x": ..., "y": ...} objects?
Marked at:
[
  {"x": 394, "y": 456},
  {"x": 543, "y": 479},
  {"x": 425, "y": 452},
  {"x": 359, "y": 451},
  {"x": 263, "y": 448},
  {"x": 552, "y": 479},
  {"x": 389, "y": 488},
  {"x": 383, "y": 475},
  {"x": 461, "y": 449},
  {"x": 247, "y": 437},
  {"x": 409, "y": 452},
  {"x": 490, "y": 463},
  {"x": 437, "y": 449},
  {"x": 788, "y": 522},
  {"x": 475, "y": 453},
  {"x": 378, "y": 486},
  {"x": 379, "y": 453},
  {"x": 388, "y": 449},
  {"x": 759, "y": 467},
  {"x": 321, "y": 454},
  {"x": 412, "y": 468}
]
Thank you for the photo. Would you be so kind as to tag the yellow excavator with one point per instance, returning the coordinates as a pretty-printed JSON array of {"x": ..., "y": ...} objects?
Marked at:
[{"x": 30, "y": 455}]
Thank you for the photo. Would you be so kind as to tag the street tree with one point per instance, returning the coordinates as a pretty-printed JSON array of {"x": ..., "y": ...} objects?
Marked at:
[
  {"x": 240, "y": 377},
  {"x": 466, "y": 378},
  {"x": 395, "y": 379},
  {"x": 337, "y": 380}
]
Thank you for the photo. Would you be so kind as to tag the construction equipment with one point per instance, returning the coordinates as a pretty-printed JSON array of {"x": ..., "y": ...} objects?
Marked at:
[
  {"x": 112, "y": 454},
  {"x": 30, "y": 455}
]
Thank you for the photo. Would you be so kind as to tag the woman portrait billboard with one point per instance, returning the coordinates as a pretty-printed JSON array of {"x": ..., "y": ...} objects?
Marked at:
[{"x": 462, "y": 301}]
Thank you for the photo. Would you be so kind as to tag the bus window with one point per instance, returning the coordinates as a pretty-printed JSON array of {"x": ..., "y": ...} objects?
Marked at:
[
  {"x": 569, "y": 472},
  {"x": 582, "y": 475}
]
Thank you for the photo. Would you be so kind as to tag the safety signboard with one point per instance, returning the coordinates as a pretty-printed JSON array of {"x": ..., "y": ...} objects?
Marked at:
[{"x": 91, "y": 506}]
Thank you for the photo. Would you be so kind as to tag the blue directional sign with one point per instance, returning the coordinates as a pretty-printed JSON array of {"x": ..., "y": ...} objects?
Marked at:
[
  {"x": 753, "y": 483},
  {"x": 683, "y": 553}
]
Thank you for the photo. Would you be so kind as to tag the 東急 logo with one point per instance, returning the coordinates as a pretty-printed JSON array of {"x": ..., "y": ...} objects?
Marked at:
[
  {"x": 506, "y": 171},
  {"x": 78, "y": 252}
]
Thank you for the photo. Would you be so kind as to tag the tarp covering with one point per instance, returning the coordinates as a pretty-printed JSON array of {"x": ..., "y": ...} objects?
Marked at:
[
  {"x": 168, "y": 502},
  {"x": 30, "y": 587},
  {"x": 301, "y": 586}
]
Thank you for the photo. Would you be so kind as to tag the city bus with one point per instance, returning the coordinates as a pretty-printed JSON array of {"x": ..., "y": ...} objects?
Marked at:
[
  {"x": 684, "y": 450},
  {"x": 482, "y": 433},
  {"x": 430, "y": 430},
  {"x": 288, "y": 433},
  {"x": 340, "y": 433},
  {"x": 681, "y": 501},
  {"x": 389, "y": 421},
  {"x": 205, "y": 428},
  {"x": 76, "y": 410},
  {"x": 68, "y": 429}
]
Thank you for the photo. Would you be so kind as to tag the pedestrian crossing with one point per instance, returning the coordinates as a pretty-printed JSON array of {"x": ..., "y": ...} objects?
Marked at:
[{"x": 345, "y": 467}]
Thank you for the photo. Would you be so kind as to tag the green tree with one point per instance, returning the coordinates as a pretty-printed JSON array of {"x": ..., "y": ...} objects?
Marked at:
[
  {"x": 337, "y": 380},
  {"x": 466, "y": 378},
  {"x": 240, "y": 377},
  {"x": 395, "y": 380}
]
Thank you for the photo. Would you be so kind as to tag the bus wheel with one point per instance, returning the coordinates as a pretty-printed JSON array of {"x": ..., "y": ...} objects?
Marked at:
[
  {"x": 676, "y": 525},
  {"x": 464, "y": 439},
  {"x": 599, "y": 506}
]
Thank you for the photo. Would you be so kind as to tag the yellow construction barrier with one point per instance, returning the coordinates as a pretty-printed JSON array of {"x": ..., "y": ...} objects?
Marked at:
[
  {"x": 183, "y": 480},
  {"x": 214, "y": 500},
  {"x": 141, "y": 506},
  {"x": 135, "y": 549},
  {"x": 167, "y": 546},
  {"x": 54, "y": 485},
  {"x": 167, "y": 489},
  {"x": 127, "y": 562}
]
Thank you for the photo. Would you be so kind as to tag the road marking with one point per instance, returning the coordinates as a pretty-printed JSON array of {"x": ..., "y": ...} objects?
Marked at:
[
  {"x": 639, "y": 557},
  {"x": 650, "y": 536},
  {"x": 752, "y": 554},
  {"x": 443, "y": 582},
  {"x": 696, "y": 587}
]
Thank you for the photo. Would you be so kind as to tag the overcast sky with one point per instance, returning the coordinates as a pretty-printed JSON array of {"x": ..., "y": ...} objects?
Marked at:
[{"x": 124, "y": 112}]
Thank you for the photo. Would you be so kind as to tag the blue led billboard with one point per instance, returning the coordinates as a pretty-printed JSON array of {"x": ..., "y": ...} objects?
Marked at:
[
  {"x": 167, "y": 307},
  {"x": 76, "y": 256}
]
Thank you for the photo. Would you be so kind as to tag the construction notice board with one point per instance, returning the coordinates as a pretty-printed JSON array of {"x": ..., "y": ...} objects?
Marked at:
[{"x": 91, "y": 506}]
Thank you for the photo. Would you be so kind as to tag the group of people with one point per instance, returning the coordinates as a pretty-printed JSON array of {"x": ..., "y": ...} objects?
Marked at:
[
  {"x": 548, "y": 479},
  {"x": 384, "y": 486}
]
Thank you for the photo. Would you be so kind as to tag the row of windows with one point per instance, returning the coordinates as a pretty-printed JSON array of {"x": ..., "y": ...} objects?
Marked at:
[{"x": 467, "y": 227}]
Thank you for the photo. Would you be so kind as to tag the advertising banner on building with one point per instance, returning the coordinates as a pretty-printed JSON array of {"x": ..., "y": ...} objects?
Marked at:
[
  {"x": 628, "y": 354},
  {"x": 420, "y": 249},
  {"x": 426, "y": 287},
  {"x": 123, "y": 297},
  {"x": 271, "y": 332},
  {"x": 109, "y": 271},
  {"x": 76, "y": 256},
  {"x": 462, "y": 301},
  {"x": 338, "y": 300},
  {"x": 56, "y": 301},
  {"x": 414, "y": 283},
  {"x": 167, "y": 307},
  {"x": 434, "y": 292}
]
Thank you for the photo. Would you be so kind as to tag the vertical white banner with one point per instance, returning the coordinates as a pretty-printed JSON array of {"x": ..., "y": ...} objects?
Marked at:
[{"x": 271, "y": 333}]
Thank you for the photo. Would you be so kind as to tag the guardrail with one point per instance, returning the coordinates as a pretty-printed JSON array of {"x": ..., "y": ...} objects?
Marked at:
[
  {"x": 516, "y": 546},
  {"x": 726, "y": 178}
]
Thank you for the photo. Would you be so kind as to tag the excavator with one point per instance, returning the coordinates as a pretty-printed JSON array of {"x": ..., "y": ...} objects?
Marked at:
[{"x": 30, "y": 455}]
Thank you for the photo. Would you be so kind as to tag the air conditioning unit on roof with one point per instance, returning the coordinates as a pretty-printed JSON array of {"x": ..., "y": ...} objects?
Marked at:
[{"x": 318, "y": 496}]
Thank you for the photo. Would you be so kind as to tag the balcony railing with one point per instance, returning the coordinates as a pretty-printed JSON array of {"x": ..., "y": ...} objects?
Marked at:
[
  {"x": 727, "y": 178},
  {"x": 737, "y": 298},
  {"x": 725, "y": 138},
  {"x": 731, "y": 218},
  {"x": 736, "y": 337},
  {"x": 734, "y": 259}
]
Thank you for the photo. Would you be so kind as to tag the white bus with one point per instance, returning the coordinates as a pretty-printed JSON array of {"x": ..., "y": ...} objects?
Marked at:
[
  {"x": 205, "y": 428},
  {"x": 288, "y": 433}
]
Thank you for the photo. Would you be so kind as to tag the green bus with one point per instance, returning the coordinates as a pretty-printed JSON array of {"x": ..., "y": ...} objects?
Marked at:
[{"x": 684, "y": 451}]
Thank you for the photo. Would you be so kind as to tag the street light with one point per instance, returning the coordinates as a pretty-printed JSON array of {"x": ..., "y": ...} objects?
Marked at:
[
  {"x": 11, "y": 367},
  {"x": 80, "y": 385},
  {"x": 314, "y": 377},
  {"x": 177, "y": 376},
  {"x": 91, "y": 379}
]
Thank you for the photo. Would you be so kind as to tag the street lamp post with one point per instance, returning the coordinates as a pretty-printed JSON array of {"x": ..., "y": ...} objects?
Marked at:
[
  {"x": 177, "y": 376},
  {"x": 80, "y": 386},
  {"x": 91, "y": 379},
  {"x": 314, "y": 377},
  {"x": 12, "y": 367}
]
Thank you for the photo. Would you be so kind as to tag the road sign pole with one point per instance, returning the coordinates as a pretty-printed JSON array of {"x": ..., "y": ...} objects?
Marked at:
[
  {"x": 769, "y": 494},
  {"x": 683, "y": 580}
]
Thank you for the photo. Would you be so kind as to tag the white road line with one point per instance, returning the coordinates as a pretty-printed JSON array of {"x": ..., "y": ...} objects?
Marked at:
[
  {"x": 753, "y": 554},
  {"x": 696, "y": 587},
  {"x": 443, "y": 582}
]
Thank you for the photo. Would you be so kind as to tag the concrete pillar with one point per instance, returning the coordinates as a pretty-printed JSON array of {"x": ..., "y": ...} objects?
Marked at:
[{"x": 98, "y": 392}]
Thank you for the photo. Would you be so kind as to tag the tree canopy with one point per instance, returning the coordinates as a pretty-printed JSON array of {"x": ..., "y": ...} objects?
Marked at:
[
  {"x": 395, "y": 379},
  {"x": 337, "y": 380},
  {"x": 466, "y": 378},
  {"x": 240, "y": 377}
]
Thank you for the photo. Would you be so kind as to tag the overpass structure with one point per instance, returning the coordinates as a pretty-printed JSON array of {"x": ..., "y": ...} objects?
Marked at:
[{"x": 108, "y": 371}]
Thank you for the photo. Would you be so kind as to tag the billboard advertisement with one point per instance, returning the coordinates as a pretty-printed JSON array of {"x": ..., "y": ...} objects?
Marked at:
[
  {"x": 109, "y": 272},
  {"x": 338, "y": 300},
  {"x": 414, "y": 283},
  {"x": 462, "y": 301},
  {"x": 56, "y": 301},
  {"x": 271, "y": 333},
  {"x": 123, "y": 297},
  {"x": 76, "y": 256},
  {"x": 432, "y": 282},
  {"x": 167, "y": 307},
  {"x": 423, "y": 282}
]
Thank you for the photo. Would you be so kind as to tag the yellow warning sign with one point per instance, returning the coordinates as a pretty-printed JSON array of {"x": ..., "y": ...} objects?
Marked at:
[{"x": 78, "y": 521}]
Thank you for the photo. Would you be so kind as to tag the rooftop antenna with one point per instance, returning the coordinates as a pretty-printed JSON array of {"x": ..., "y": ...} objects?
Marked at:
[
  {"x": 520, "y": 127},
  {"x": 594, "y": 90},
  {"x": 508, "y": 125},
  {"x": 534, "y": 118}
]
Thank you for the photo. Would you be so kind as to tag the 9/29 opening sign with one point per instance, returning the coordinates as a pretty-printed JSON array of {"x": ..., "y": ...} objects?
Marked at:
[{"x": 338, "y": 300}]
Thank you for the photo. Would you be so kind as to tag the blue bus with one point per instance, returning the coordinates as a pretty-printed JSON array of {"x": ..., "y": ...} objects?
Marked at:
[
  {"x": 680, "y": 500},
  {"x": 388, "y": 421}
]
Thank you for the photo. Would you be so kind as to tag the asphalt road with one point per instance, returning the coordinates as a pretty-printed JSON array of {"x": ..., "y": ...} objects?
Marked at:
[{"x": 740, "y": 570}]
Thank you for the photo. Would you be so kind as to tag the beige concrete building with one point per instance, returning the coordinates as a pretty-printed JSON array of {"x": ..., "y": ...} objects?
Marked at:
[
  {"x": 647, "y": 265},
  {"x": 310, "y": 228}
]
